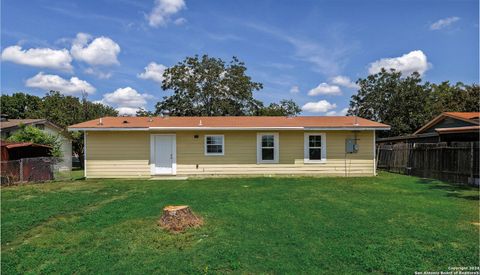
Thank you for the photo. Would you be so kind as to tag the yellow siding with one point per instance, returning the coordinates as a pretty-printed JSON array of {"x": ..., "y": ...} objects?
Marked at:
[
  {"x": 127, "y": 154},
  {"x": 117, "y": 154},
  {"x": 240, "y": 155},
  {"x": 240, "y": 148}
]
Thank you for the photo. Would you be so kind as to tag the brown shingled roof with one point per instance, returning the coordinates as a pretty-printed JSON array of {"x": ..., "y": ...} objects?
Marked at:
[
  {"x": 17, "y": 122},
  {"x": 230, "y": 122},
  {"x": 465, "y": 115},
  {"x": 471, "y": 117},
  {"x": 11, "y": 144}
]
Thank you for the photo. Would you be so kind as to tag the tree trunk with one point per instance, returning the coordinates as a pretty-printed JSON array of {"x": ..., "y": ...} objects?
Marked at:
[
  {"x": 178, "y": 218},
  {"x": 81, "y": 159}
]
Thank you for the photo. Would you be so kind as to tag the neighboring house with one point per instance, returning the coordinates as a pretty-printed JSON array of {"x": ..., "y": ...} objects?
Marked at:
[
  {"x": 204, "y": 146},
  {"x": 9, "y": 126},
  {"x": 447, "y": 127}
]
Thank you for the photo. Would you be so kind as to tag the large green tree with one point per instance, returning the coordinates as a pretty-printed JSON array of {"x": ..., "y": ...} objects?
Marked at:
[
  {"x": 454, "y": 98},
  {"x": 207, "y": 86},
  {"x": 21, "y": 105},
  {"x": 406, "y": 102}
]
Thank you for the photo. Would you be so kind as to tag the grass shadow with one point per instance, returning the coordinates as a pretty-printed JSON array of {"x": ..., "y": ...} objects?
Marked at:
[{"x": 453, "y": 190}]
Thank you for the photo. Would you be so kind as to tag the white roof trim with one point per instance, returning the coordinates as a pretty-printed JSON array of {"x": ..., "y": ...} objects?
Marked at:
[
  {"x": 345, "y": 128},
  {"x": 232, "y": 128},
  {"x": 226, "y": 128},
  {"x": 107, "y": 129}
]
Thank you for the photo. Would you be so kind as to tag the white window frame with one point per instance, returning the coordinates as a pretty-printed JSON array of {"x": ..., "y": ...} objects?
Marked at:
[
  {"x": 214, "y": 154},
  {"x": 276, "y": 148},
  {"x": 306, "y": 148}
]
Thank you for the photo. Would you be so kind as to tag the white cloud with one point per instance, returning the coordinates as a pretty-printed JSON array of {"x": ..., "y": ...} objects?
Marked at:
[
  {"x": 163, "y": 10},
  {"x": 344, "y": 81},
  {"x": 325, "y": 89},
  {"x": 342, "y": 112},
  {"x": 321, "y": 106},
  {"x": 129, "y": 111},
  {"x": 294, "y": 90},
  {"x": 180, "y": 21},
  {"x": 443, "y": 23},
  {"x": 126, "y": 97},
  {"x": 39, "y": 57},
  {"x": 98, "y": 73},
  {"x": 99, "y": 51},
  {"x": 154, "y": 72},
  {"x": 414, "y": 61},
  {"x": 126, "y": 100},
  {"x": 56, "y": 83}
]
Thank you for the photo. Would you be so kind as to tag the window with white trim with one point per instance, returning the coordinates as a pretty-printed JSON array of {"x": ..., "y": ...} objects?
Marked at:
[
  {"x": 315, "y": 148},
  {"x": 214, "y": 145},
  {"x": 267, "y": 148}
]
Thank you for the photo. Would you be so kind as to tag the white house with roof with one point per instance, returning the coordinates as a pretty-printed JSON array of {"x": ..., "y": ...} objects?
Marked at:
[{"x": 10, "y": 126}]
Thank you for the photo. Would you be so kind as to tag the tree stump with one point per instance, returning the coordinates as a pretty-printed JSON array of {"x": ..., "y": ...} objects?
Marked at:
[{"x": 178, "y": 218}]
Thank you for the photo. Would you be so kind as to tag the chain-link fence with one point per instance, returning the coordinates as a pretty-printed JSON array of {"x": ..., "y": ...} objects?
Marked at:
[{"x": 32, "y": 170}]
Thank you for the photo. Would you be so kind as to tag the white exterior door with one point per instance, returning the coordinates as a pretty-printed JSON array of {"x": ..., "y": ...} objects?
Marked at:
[{"x": 164, "y": 154}]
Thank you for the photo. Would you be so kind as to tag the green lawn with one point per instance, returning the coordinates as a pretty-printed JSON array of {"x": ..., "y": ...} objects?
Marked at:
[{"x": 386, "y": 224}]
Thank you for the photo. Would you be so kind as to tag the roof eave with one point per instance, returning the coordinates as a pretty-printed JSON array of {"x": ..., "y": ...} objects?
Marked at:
[
  {"x": 356, "y": 128},
  {"x": 40, "y": 121},
  {"x": 426, "y": 135},
  {"x": 73, "y": 129},
  {"x": 453, "y": 130}
]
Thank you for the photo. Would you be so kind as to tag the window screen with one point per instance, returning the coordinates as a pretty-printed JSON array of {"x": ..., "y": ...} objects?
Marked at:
[
  {"x": 268, "y": 147},
  {"x": 214, "y": 145}
]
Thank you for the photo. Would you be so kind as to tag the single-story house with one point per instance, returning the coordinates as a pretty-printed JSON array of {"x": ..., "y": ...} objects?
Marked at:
[
  {"x": 205, "y": 146},
  {"x": 9, "y": 126},
  {"x": 446, "y": 127}
]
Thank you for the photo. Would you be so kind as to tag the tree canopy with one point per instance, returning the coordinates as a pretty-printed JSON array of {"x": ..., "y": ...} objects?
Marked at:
[
  {"x": 284, "y": 108},
  {"x": 207, "y": 86},
  {"x": 21, "y": 105},
  {"x": 407, "y": 103}
]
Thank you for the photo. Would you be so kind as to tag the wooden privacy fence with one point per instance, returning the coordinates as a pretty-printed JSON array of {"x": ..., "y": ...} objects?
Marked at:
[{"x": 457, "y": 162}]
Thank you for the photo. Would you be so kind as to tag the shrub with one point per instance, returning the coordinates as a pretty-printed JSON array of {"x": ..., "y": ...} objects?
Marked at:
[{"x": 35, "y": 135}]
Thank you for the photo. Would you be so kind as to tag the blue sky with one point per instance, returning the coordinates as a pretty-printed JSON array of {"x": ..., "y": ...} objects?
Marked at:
[{"x": 309, "y": 51}]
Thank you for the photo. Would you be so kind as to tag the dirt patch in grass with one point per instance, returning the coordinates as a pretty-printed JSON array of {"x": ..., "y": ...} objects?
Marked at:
[{"x": 48, "y": 226}]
